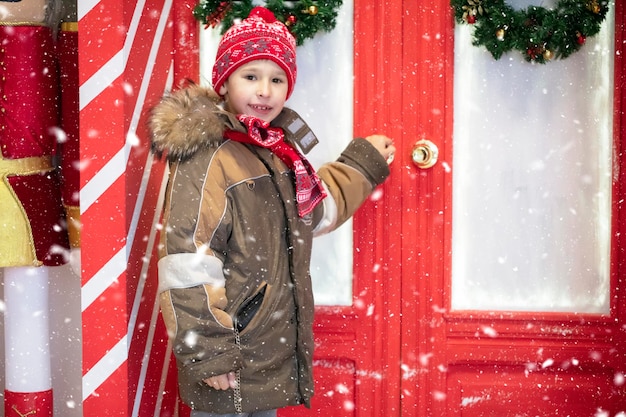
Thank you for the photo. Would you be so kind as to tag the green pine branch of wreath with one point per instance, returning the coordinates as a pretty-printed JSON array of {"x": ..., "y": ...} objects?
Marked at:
[
  {"x": 540, "y": 34},
  {"x": 304, "y": 18}
]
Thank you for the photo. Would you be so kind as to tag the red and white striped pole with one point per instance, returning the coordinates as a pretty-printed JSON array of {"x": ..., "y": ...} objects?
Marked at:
[{"x": 127, "y": 58}]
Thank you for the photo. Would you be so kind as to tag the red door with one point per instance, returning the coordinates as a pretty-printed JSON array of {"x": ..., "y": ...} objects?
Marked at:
[{"x": 402, "y": 348}]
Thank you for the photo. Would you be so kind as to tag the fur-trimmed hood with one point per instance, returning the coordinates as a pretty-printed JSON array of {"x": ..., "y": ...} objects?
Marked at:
[{"x": 188, "y": 120}]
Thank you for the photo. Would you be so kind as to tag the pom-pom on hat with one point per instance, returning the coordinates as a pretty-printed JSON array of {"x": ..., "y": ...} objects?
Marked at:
[{"x": 259, "y": 36}]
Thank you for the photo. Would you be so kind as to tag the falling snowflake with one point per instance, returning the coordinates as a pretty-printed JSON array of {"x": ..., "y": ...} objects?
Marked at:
[
  {"x": 601, "y": 413},
  {"x": 377, "y": 195},
  {"x": 348, "y": 405},
  {"x": 439, "y": 395},
  {"x": 489, "y": 331},
  {"x": 191, "y": 339},
  {"x": 342, "y": 389}
]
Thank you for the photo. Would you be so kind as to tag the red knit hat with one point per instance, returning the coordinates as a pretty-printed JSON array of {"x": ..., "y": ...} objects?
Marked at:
[{"x": 260, "y": 36}]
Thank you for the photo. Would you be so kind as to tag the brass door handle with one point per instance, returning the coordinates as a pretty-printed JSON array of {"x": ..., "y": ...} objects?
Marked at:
[{"x": 424, "y": 154}]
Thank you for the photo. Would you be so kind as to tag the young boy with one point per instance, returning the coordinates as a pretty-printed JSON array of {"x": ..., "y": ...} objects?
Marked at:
[{"x": 241, "y": 210}]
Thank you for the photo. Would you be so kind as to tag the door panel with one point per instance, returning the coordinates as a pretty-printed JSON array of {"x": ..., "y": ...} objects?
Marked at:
[
  {"x": 495, "y": 391},
  {"x": 532, "y": 179},
  {"x": 567, "y": 358}
]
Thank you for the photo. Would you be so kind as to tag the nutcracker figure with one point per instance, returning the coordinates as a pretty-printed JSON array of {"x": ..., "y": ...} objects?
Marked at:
[{"x": 39, "y": 210}]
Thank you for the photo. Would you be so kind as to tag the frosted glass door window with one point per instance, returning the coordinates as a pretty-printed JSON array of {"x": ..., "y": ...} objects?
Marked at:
[
  {"x": 532, "y": 178},
  {"x": 323, "y": 97}
]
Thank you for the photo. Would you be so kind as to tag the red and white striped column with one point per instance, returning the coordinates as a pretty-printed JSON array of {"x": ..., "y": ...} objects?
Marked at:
[{"x": 127, "y": 55}]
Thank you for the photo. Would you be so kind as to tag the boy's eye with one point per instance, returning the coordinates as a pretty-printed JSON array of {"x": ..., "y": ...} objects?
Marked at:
[
  {"x": 249, "y": 77},
  {"x": 278, "y": 80}
]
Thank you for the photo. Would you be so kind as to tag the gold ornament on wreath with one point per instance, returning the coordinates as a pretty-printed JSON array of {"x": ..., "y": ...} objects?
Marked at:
[
  {"x": 540, "y": 34},
  {"x": 304, "y": 18}
]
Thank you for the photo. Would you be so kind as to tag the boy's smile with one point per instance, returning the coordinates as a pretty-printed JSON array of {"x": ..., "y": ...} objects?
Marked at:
[{"x": 258, "y": 88}]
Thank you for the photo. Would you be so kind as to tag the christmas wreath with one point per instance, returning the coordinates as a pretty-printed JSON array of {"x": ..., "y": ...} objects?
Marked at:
[
  {"x": 304, "y": 18},
  {"x": 540, "y": 34}
]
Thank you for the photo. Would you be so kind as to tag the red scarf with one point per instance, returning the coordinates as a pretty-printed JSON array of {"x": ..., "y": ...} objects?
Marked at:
[{"x": 309, "y": 190}]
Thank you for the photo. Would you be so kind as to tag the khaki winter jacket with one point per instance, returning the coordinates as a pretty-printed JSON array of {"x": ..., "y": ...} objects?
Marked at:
[{"x": 231, "y": 229}]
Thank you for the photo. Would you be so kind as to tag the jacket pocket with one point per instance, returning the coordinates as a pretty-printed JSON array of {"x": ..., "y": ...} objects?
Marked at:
[{"x": 249, "y": 308}]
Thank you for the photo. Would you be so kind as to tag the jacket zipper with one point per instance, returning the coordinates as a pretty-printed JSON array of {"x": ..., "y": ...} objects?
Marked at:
[{"x": 237, "y": 391}]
